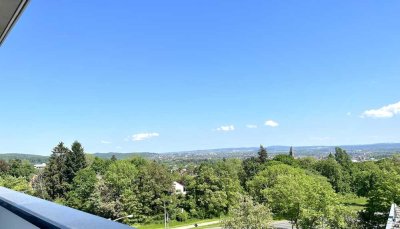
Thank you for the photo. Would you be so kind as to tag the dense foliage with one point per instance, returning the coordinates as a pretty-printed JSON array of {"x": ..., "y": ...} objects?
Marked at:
[{"x": 249, "y": 193}]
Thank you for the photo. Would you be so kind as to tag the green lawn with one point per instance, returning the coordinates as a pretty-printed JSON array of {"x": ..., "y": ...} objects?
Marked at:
[
  {"x": 354, "y": 202},
  {"x": 174, "y": 223}
]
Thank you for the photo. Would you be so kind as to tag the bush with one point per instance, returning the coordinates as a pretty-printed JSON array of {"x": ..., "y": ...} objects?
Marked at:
[{"x": 182, "y": 216}]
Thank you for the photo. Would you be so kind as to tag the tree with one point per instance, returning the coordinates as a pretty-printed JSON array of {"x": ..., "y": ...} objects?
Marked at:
[
  {"x": 306, "y": 200},
  {"x": 262, "y": 154},
  {"x": 21, "y": 168},
  {"x": 365, "y": 175},
  {"x": 100, "y": 165},
  {"x": 4, "y": 167},
  {"x": 331, "y": 169},
  {"x": 19, "y": 184},
  {"x": 286, "y": 159},
  {"x": 343, "y": 158},
  {"x": 152, "y": 183},
  {"x": 103, "y": 202},
  {"x": 307, "y": 163},
  {"x": 113, "y": 158},
  {"x": 248, "y": 214},
  {"x": 54, "y": 173},
  {"x": 39, "y": 185},
  {"x": 385, "y": 191},
  {"x": 250, "y": 167},
  {"x": 215, "y": 188},
  {"x": 120, "y": 175},
  {"x": 291, "y": 153},
  {"x": 82, "y": 187},
  {"x": 74, "y": 161}
]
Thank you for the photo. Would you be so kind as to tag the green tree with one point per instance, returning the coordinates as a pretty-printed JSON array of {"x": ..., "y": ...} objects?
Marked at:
[
  {"x": 74, "y": 161},
  {"x": 365, "y": 176},
  {"x": 16, "y": 183},
  {"x": 386, "y": 191},
  {"x": 103, "y": 202},
  {"x": 250, "y": 167},
  {"x": 286, "y": 159},
  {"x": 307, "y": 163},
  {"x": 54, "y": 173},
  {"x": 332, "y": 170},
  {"x": 152, "y": 183},
  {"x": 100, "y": 166},
  {"x": 120, "y": 175},
  {"x": 21, "y": 168},
  {"x": 248, "y": 215},
  {"x": 216, "y": 187},
  {"x": 306, "y": 200},
  {"x": 82, "y": 187},
  {"x": 343, "y": 158},
  {"x": 262, "y": 154}
]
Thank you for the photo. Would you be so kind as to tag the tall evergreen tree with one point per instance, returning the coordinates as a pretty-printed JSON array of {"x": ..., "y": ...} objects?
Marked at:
[
  {"x": 74, "y": 161},
  {"x": 56, "y": 184},
  {"x": 262, "y": 154},
  {"x": 291, "y": 153}
]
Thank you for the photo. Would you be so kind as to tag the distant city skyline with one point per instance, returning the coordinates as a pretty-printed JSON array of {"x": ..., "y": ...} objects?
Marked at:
[{"x": 159, "y": 76}]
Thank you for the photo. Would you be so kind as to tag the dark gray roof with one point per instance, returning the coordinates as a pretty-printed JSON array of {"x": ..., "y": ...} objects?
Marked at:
[
  {"x": 10, "y": 10},
  {"x": 46, "y": 214}
]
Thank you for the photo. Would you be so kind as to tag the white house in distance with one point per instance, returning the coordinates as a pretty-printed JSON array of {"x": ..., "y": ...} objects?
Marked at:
[
  {"x": 40, "y": 166},
  {"x": 179, "y": 188}
]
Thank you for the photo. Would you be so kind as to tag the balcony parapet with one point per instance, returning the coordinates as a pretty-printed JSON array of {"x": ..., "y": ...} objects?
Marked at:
[{"x": 18, "y": 210}]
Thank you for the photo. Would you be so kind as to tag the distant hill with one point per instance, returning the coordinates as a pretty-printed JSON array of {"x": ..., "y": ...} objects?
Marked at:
[
  {"x": 34, "y": 159},
  {"x": 378, "y": 150},
  {"x": 379, "y": 147},
  {"x": 358, "y": 151},
  {"x": 125, "y": 155}
]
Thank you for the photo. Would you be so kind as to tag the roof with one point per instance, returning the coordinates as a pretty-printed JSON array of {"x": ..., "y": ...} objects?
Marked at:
[{"x": 10, "y": 10}]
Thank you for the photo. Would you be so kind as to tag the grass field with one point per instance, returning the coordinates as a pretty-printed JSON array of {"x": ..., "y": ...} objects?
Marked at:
[{"x": 354, "y": 202}]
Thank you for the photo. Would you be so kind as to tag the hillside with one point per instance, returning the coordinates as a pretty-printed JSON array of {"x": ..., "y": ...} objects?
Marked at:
[
  {"x": 34, "y": 159},
  {"x": 373, "y": 150}
]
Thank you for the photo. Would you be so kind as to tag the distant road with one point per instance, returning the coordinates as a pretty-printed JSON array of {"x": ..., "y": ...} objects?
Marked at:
[
  {"x": 199, "y": 225},
  {"x": 282, "y": 224}
]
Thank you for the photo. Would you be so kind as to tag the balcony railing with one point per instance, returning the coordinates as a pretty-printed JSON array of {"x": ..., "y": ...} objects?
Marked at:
[
  {"x": 18, "y": 210},
  {"x": 394, "y": 217}
]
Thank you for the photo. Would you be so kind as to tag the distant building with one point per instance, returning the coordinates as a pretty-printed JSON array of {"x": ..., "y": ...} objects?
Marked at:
[
  {"x": 179, "y": 188},
  {"x": 40, "y": 166}
]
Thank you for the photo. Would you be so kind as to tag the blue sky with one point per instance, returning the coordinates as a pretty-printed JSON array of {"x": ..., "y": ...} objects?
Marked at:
[{"x": 165, "y": 76}]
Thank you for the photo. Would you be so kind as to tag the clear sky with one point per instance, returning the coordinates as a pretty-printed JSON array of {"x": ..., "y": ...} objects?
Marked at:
[{"x": 171, "y": 75}]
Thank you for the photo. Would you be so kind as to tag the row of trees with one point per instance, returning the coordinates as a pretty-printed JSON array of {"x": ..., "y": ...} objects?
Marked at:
[{"x": 306, "y": 191}]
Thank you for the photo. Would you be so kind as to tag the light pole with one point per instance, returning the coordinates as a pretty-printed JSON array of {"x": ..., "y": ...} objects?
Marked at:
[
  {"x": 123, "y": 217},
  {"x": 166, "y": 220}
]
